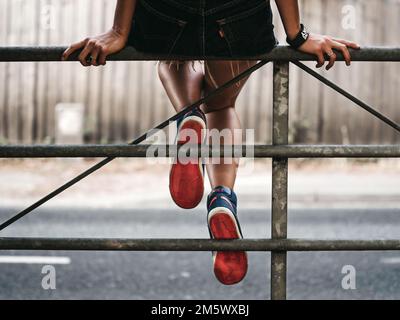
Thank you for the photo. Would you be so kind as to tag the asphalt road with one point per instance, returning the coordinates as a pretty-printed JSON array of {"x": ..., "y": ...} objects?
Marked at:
[{"x": 184, "y": 275}]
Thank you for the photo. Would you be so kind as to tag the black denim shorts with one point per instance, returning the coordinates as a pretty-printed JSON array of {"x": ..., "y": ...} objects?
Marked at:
[{"x": 203, "y": 28}]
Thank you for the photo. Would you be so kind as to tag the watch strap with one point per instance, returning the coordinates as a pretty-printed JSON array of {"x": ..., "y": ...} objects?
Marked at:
[{"x": 300, "y": 38}]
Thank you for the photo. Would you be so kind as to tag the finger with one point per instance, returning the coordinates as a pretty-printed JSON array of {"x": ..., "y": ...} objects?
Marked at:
[
  {"x": 71, "y": 49},
  {"x": 332, "y": 59},
  {"x": 94, "y": 54},
  {"x": 102, "y": 58},
  {"x": 345, "y": 52},
  {"x": 347, "y": 43},
  {"x": 320, "y": 59},
  {"x": 85, "y": 53}
]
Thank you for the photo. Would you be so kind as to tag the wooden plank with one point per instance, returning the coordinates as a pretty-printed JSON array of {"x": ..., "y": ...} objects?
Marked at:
[
  {"x": 28, "y": 35},
  {"x": 348, "y": 78},
  {"x": 53, "y": 72},
  {"x": 154, "y": 111},
  {"x": 3, "y": 71},
  {"x": 80, "y": 79},
  {"x": 299, "y": 128},
  {"x": 41, "y": 95},
  {"x": 310, "y": 99},
  {"x": 163, "y": 106},
  {"x": 252, "y": 107},
  {"x": 105, "y": 97},
  {"x": 390, "y": 71},
  {"x": 370, "y": 72},
  {"x": 135, "y": 99},
  {"x": 118, "y": 96},
  {"x": 245, "y": 104},
  {"x": 35, "y": 76},
  {"x": 14, "y": 79},
  {"x": 333, "y": 105},
  {"x": 94, "y": 85},
  {"x": 66, "y": 31},
  {"x": 146, "y": 93}
]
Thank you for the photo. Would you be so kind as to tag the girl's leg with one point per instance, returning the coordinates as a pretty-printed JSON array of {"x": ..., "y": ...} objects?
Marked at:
[
  {"x": 230, "y": 267},
  {"x": 182, "y": 82},
  {"x": 221, "y": 115}
]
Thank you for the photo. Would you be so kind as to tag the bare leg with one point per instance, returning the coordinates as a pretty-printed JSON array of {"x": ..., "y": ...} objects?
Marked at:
[
  {"x": 182, "y": 83},
  {"x": 184, "y": 87},
  {"x": 221, "y": 115}
]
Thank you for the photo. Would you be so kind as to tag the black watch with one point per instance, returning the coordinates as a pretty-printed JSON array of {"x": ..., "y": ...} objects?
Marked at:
[{"x": 301, "y": 37}]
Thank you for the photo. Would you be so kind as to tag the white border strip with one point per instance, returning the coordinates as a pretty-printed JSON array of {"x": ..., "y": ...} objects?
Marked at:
[
  {"x": 390, "y": 260},
  {"x": 34, "y": 260}
]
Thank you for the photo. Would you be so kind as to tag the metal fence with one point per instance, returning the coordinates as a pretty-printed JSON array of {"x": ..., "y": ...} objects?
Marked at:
[{"x": 279, "y": 151}]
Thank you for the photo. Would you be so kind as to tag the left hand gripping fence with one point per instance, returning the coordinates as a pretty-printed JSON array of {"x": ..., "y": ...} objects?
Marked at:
[{"x": 279, "y": 151}]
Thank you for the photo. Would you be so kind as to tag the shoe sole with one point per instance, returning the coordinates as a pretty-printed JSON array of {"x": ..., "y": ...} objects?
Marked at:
[
  {"x": 186, "y": 181},
  {"x": 230, "y": 267}
]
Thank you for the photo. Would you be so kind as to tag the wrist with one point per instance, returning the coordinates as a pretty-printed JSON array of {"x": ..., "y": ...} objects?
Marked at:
[
  {"x": 291, "y": 34},
  {"x": 299, "y": 39},
  {"x": 124, "y": 34}
]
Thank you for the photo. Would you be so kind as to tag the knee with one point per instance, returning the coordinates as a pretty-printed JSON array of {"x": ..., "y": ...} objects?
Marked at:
[
  {"x": 223, "y": 101},
  {"x": 223, "y": 107}
]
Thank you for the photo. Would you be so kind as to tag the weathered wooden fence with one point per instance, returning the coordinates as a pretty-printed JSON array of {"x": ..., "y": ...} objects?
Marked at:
[{"x": 124, "y": 99}]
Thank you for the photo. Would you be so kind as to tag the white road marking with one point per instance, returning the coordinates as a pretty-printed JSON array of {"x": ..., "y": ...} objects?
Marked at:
[
  {"x": 393, "y": 260},
  {"x": 34, "y": 260}
]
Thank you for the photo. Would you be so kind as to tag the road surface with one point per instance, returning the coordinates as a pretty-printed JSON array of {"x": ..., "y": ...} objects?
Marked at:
[{"x": 185, "y": 275}]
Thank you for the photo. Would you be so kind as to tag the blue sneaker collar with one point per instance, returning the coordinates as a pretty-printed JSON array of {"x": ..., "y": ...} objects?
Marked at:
[
  {"x": 222, "y": 190},
  {"x": 196, "y": 112}
]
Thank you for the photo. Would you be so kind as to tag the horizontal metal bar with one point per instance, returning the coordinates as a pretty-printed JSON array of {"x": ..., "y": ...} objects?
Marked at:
[
  {"x": 142, "y": 151},
  {"x": 281, "y": 53},
  {"x": 82, "y": 244}
]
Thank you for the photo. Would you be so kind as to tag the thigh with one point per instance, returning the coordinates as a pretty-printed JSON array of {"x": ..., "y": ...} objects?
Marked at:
[
  {"x": 182, "y": 81},
  {"x": 218, "y": 73}
]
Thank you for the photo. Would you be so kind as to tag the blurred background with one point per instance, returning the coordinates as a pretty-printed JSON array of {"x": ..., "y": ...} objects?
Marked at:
[
  {"x": 329, "y": 199},
  {"x": 125, "y": 99}
]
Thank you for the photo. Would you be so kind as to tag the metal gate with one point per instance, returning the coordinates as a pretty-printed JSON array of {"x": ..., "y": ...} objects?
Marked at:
[{"x": 280, "y": 151}]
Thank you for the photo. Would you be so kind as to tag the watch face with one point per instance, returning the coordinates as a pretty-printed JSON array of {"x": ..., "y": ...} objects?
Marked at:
[{"x": 304, "y": 34}]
